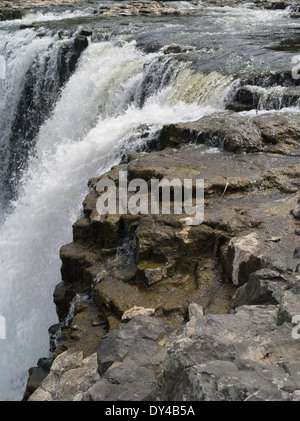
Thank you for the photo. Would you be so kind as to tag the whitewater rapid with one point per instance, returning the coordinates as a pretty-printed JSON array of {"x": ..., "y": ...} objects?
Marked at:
[{"x": 115, "y": 94}]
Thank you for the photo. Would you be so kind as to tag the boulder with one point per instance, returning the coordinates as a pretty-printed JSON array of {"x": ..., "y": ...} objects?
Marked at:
[
  {"x": 225, "y": 130},
  {"x": 289, "y": 307},
  {"x": 129, "y": 362},
  {"x": 236, "y": 357},
  {"x": 135, "y": 340},
  {"x": 296, "y": 210},
  {"x": 264, "y": 286},
  {"x": 69, "y": 378},
  {"x": 8, "y": 13},
  {"x": 137, "y": 311},
  {"x": 242, "y": 257}
]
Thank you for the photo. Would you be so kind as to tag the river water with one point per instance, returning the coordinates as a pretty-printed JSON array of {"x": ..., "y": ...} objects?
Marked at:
[{"x": 64, "y": 121}]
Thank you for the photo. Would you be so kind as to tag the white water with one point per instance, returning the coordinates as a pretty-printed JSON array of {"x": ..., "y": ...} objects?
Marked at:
[
  {"x": 96, "y": 119},
  {"x": 90, "y": 125},
  {"x": 22, "y": 51}
]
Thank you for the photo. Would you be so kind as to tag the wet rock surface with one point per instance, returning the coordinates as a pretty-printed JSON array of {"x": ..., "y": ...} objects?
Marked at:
[
  {"x": 269, "y": 132},
  {"x": 151, "y": 8},
  {"x": 15, "y": 9},
  {"x": 9, "y": 13},
  {"x": 235, "y": 277}
]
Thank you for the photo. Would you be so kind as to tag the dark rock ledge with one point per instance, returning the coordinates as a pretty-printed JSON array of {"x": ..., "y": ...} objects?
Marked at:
[
  {"x": 235, "y": 278},
  {"x": 14, "y": 9}
]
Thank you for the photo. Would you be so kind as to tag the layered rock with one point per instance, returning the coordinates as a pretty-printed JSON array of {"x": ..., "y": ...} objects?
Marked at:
[
  {"x": 127, "y": 366},
  {"x": 235, "y": 276},
  {"x": 14, "y": 10},
  {"x": 9, "y": 13},
  {"x": 243, "y": 356},
  {"x": 70, "y": 376},
  {"x": 151, "y": 8},
  {"x": 272, "y": 132}
]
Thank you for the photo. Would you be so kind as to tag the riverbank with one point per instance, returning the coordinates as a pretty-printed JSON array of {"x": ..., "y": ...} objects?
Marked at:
[
  {"x": 15, "y": 9},
  {"x": 225, "y": 276},
  {"x": 219, "y": 279},
  {"x": 173, "y": 93}
]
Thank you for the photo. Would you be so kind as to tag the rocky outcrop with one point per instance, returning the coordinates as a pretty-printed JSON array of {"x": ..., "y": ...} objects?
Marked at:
[
  {"x": 70, "y": 376},
  {"x": 243, "y": 356},
  {"x": 9, "y": 13},
  {"x": 126, "y": 367},
  {"x": 249, "y": 355},
  {"x": 272, "y": 132},
  {"x": 151, "y": 8},
  {"x": 296, "y": 210},
  {"x": 252, "y": 98},
  {"x": 11, "y": 10},
  {"x": 123, "y": 267},
  {"x": 127, "y": 261}
]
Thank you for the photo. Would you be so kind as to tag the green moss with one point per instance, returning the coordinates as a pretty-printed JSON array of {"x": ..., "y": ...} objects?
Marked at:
[
  {"x": 108, "y": 251},
  {"x": 130, "y": 277},
  {"x": 93, "y": 258},
  {"x": 150, "y": 265}
]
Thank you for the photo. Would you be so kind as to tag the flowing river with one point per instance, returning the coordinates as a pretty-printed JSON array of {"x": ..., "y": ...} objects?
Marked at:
[{"x": 66, "y": 117}]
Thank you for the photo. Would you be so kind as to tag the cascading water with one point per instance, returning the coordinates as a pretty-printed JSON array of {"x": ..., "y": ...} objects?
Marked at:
[
  {"x": 36, "y": 69},
  {"x": 109, "y": 96},
  {"x": 89, "y": 120}
]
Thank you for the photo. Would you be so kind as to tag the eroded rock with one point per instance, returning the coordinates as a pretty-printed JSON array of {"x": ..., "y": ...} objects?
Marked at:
[
  {"x": 238, "y": 357},
  {"x": 70, "y": 375}
]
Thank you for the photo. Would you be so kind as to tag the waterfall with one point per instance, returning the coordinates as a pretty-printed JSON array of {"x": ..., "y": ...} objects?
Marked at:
[
  {"x": 86, "y": 126},
  {"x": 36, "y": 69}
]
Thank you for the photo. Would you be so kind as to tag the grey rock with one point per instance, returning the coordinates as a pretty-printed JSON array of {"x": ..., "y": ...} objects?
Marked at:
[
  {"x": 69, "y": 378},
  {"x": 237, "y": 357},
  {"x": 296, "y": 210},
  {"x": 296, "y": 396},
  {"x": 137, "y": 311},
  {"x": 124, "y": 382},
  {"x": 277, "y": 263},
  {"x": 135, "y": 340},
  {"x": 226, "y": 130},
  {"x": 265, "y": 286},
  {"x": 195, "y": 310},
  {"x": 67, "y": 361},
  {"x": 247, "y": 257},
  {"x": 289, "y": 307},
  {"x": 129, "y": 362},
  {"x": 297, "y": 253}
]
